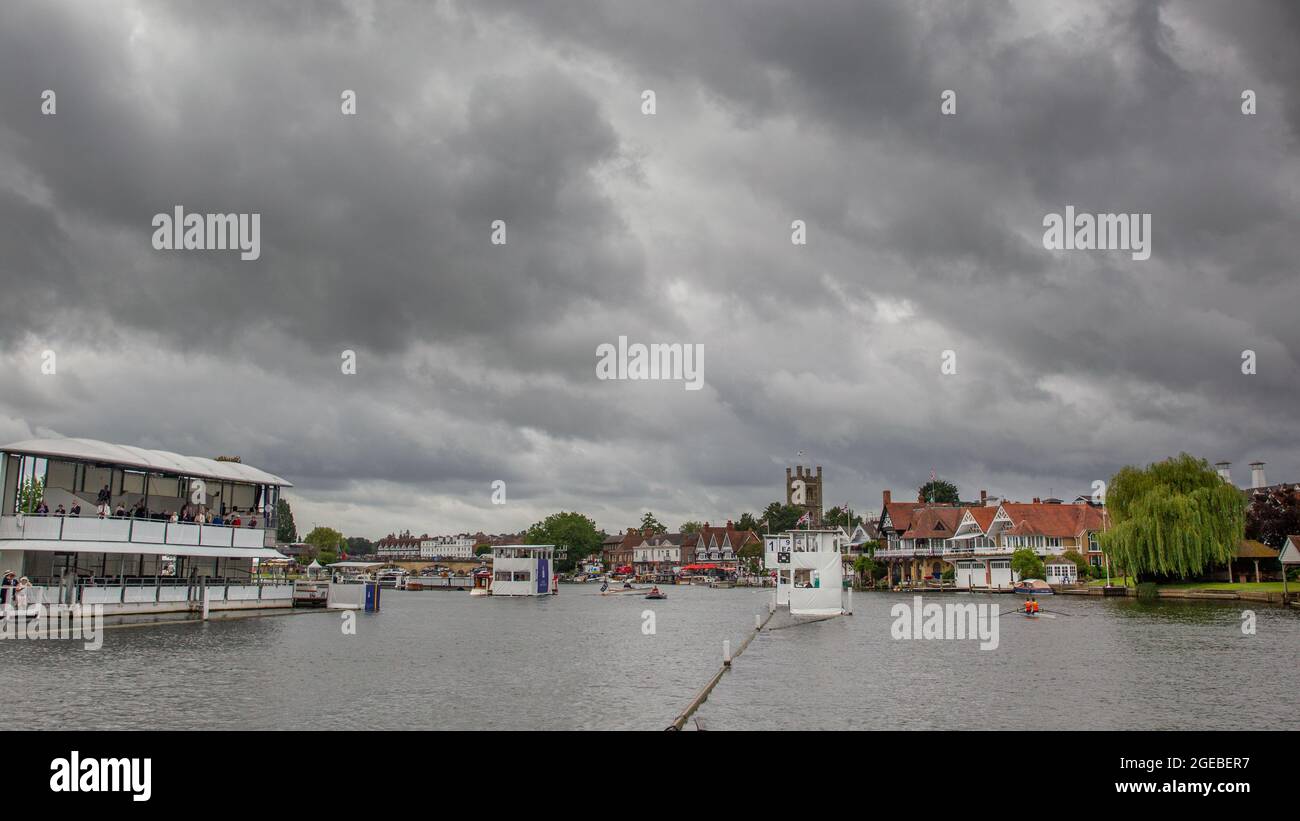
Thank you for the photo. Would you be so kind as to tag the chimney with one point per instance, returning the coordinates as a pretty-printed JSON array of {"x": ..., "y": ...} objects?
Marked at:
[
  {"x": 730, "y": 525},
  {"x": 886, "y": 495},
  {"x": 819, "y": 471},
  {"x": 1257, "y": 475},
  {"x": 984, "y": 497},
  {"x": 1037, "y": 501}
]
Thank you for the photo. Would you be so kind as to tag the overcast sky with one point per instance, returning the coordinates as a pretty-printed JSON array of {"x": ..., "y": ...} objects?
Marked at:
[{"x": 476, "y": 362}]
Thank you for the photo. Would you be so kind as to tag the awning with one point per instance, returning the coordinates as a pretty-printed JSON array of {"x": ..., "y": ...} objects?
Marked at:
[
  {"x": 357, "y": 564},
  {"x": 137, "y": 549}
]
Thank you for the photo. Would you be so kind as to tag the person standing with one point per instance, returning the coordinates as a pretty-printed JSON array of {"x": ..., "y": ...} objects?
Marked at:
[
  {"x": 21, "y": 594},
  {"x": 7, "y": 587}
]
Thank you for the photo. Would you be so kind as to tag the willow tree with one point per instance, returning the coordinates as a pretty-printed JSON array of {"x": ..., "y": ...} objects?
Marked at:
[{"x": 1173, "y": 518}]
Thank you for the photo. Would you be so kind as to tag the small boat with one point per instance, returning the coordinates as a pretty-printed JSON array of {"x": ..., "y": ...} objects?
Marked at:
[
  {"x": 656, "y": 594},
  {"x": 1032, "y": 587}
]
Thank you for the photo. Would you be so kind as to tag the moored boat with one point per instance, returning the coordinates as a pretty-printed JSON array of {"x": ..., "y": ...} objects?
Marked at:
[{"x": 1033, "y": 587}]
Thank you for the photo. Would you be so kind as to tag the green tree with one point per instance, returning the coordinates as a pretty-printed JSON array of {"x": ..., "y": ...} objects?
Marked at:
[
  {"x": 864, "y": 567},
  {"x": 285, "y": 530},
  {"x": 1026, "y": 564},
  {"x": 842, "y": 515},
  {"x": 30, "y": 495},
  {"x": 649, "y": 522},
  {"x": 781, "y": 517},
  {"x": 692, "y": 527},
  {"x": 574, "y": 536},
  {"x": 748, "y": 521},
  {"x": 940, "y": 491},
  {"x": 326, "y": 542},
  {"x": 1174, "y": 518},
  {"x": 482, "y": 549},
  {"x": 752, "y": 556},
  {"x": 360, "y": 546}
]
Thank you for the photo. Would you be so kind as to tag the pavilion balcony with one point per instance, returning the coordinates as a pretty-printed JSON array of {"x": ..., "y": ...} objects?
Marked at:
[{"x": 128, "y": 531}]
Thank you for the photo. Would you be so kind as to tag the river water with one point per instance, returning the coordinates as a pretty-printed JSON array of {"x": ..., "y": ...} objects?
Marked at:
[{"x": 444, "y": 660}]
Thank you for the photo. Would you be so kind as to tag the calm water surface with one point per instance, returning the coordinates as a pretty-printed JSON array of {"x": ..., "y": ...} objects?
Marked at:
[
  {"x": 443, "y": 660},
  {"x": 1114, "y": 664}
]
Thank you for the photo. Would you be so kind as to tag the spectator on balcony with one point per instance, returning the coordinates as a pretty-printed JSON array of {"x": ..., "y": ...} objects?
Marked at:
[
  {"x": 7, "y": 585},
  {"x": 42, "y": 509},
  {"x": 217, "y": 520},
  {"x": 75, "y": 510},
  {"x": 141, "y": 512},
  {"x": 236, "y": 521},
  {"x": 59, "y": 511},
  {"x": 120, "y": 512},
  {"x": 201, "y": 517},
  {"x": 252, "y": 521},
  {"x": 175, "y": 517},
  {"x": 105, "y": 497}
]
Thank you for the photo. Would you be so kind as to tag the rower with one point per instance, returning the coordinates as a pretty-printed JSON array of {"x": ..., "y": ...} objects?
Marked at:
[
  {"x": 1029, "y": 606},
  {"x": 654, "y": 591}
]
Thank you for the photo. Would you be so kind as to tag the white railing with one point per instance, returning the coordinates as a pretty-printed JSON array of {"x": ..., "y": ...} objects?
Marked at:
[
  {"x": 146, "y": 591},
  {"x": 139, "y": 531},
  {"x": 976, "y": 551}
]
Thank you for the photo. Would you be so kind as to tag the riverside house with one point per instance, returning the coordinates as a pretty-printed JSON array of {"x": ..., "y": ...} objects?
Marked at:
[{"x": 981, "y": 553}]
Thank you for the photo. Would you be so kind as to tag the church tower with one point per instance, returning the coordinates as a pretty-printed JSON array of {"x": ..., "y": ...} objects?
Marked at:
[{"x": 803, "y": 489}]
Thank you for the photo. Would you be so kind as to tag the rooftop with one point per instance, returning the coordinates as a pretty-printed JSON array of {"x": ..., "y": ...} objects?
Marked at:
[{"x": 158, "y": 461}]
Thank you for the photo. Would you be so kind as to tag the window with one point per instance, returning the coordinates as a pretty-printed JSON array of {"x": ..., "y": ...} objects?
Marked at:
[
  {"x": 61, "y": 475},
  {"x": 132, "y": 482},
  {"x": 523, "y": 576}
]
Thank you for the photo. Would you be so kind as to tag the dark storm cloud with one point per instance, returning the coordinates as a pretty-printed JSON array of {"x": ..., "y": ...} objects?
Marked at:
[{"x": 476, "y": 361}]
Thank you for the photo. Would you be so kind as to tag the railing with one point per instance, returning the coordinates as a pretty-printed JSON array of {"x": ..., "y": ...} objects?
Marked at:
[
  {"x": 138, "y": 531},
  {"x": 157, "y": 589},
  {"x": 976, "y": 551}
]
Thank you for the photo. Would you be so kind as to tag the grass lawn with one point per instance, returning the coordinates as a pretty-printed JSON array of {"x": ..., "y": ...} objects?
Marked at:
[{"x": 1115, "y": 581}]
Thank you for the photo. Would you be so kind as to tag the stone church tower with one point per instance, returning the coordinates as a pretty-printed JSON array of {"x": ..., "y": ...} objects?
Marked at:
[{"x": 803, "y": 484}]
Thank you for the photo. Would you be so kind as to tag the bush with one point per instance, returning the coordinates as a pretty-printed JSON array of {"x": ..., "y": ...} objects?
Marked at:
[{"x": 1026, "y": 564}]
